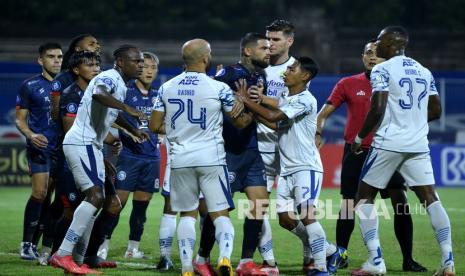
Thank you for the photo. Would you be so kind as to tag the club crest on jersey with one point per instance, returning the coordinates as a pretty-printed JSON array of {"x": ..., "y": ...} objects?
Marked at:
[
  {"x": 72, "y": 197},
  {"x": 56, "y": 85},
  {"x": 121, "y": 175},
  {"x": 108, "y": 81},
  {"x": 71, "y": 108},
  {"x": 231, "y": 177}
]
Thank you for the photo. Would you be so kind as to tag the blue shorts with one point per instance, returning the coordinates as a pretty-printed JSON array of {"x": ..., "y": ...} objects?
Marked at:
[
  {"x": 40, "y": 160},
  {"x": 137, "y": 174},
  {"x": 245, "y": 169}
]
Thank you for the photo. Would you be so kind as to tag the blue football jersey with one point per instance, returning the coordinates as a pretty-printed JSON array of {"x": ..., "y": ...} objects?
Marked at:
[
  {"x": 34, "y": 95},
  {"x": 239, "y": 140},
  {"x": 144, "y": 103}
]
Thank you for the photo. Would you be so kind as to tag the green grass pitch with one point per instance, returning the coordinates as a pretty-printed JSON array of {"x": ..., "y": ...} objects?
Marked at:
[{"x": 287, "y": 248}]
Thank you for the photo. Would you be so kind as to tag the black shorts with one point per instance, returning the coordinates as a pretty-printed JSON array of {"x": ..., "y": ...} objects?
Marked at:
[{"x": 350, "y": 174}]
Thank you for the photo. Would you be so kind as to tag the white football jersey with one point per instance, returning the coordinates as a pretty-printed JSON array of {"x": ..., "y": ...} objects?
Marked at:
[
  {"x": 93, "y": 120},
  {"x": 193, "y": 104},
  {"x": 404, "y": 127},
  {"x": 268, "y": 138},
  {"x": 297, "y": 149}
]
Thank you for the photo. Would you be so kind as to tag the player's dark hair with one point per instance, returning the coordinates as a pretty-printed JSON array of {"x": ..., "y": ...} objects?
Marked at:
[
  {"x": 372, "y": 40},
  {"x": 308, "y": 65},
  {"x": 151, "y": 56},
  {"x": 398, "y": 30},
  {"x": 123, "y": 50},
  {"x": 251, "y": 38},
  {"x": 72, "y": 49},
  {"x": 48, "y": 46},
  {"x": 281, "y": 25},
  {"x": 81, "y": 57}
]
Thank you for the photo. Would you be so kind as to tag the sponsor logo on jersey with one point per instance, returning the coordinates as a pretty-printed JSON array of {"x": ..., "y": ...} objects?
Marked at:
[
  {"x": 361, "y": 93},
  {"x": 121, "y": 175}
]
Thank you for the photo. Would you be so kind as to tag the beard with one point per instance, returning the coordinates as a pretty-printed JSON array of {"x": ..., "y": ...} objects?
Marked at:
[{"x": 260, "y": 63}]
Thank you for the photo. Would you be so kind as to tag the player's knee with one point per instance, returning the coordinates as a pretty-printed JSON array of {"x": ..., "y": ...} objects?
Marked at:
[
  {"x": 286, "y": 222},
  {"x": 95, "y": 197},
  {"x": 113, "y": 205},
  {"x": 40, "y": 193}
]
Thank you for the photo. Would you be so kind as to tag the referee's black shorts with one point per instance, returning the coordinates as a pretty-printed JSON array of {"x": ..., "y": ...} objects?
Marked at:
[{"x": 350, "y": 174}]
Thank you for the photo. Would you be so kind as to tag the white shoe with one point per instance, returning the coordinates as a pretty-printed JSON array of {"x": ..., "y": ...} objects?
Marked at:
[
  {"x": 368, "y": 269},
  {"x": 28, "y": 251},
  {"x": 134, "y": 254},
  {"x": 103, "y": 249},
  {"x": 446, "y": 270},
  {"x": 43, "y": 258}
]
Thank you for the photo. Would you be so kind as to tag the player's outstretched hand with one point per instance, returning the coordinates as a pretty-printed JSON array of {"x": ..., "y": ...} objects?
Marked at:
[
  {"x": 238, "y": 108},
  {"x": 355, "y": 148},
  {"x": 117, "y": 146},
  {"x": 110, "y": 170},
  {"x": 241, "y": 91},
  {"x": 256, "y": 93},
  {"x": 318, "y": 141},
  {"x": 39, "y": 140},
  {"x": 139, "y": 115},
  {"x": 142, "y": 135}
]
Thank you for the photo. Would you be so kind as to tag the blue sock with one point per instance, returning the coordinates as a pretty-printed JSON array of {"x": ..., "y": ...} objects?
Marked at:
[
  {"x": 137, "y": 219},
  {"x": 31, "y": 218}
]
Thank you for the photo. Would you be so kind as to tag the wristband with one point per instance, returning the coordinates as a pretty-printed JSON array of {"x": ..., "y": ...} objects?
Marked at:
[{"x": 358, "y": 140}]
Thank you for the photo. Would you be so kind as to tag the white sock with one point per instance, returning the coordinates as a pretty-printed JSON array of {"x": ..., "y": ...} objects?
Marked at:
[
  {"x": 441, "y": 226},
  {"x": 166, "y": 234},
  {"x": 186, "y": 242},
  {"x": 330, "y": 248},
  {"x": 200, "y": 260},
  {"x": 133, "y": 245},
  {"x": 265, "y": 244},
  {"x": 80, "y": 249},
  {"x": 317, "y": 240},
  {"x": 301, "y": 233},
  {"x": 369, "y": 228},
  {"x": 81, "y": 218},
  {"x": 224, "y": 235}
]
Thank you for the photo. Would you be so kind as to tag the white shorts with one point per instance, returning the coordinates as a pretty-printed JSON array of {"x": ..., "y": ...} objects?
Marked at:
[
  {"x": 86, "y": 164},
  {"x": 297, "y": 188},
  {"x": 187, "y": 183},
  {"x": 381, "y": 164},
  {"x": 165, "y": 191},
  {"x": 272, "y": 168}
]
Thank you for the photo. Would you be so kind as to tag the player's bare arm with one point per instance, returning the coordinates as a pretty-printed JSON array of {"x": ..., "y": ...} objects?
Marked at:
[
  {"x": 54, "y": 106},
  {"x": 434, "y": 108},
  {"x": 268, "y": 124},
  {"x": 136, "y": 132},
  {"x": 37, "y": 140},
  {"x": 324, "y": 114},
  {"x": 103, "y": 97},
  {"x": 373, "y": 119},
  {"x": 157, "y": 122}
]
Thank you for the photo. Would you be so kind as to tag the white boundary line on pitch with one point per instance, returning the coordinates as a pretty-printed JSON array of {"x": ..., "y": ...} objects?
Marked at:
[{"x": 128, "y": 264}]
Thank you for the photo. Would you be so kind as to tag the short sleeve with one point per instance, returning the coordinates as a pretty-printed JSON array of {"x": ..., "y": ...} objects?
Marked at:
[
  {"x": 337, "y": 96},
  {"x": 107, "y": 82},
  {"x": 226, "y": 98},
  {"x": 22, "y": 99},
  {"x": 295, "y": 107},
  {"x": 69, "y": 106},
  {"x": 432, "y": 87},
  {"x": 158, "y": 104},
  {"x": 379, "y": 79}
]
